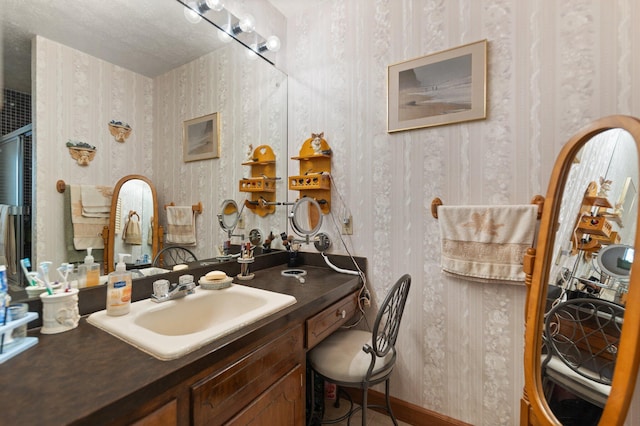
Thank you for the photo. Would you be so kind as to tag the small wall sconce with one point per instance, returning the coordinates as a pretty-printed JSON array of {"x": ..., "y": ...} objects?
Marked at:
[
  {"x": 82, "y": 152},
  {"x": 119, "y": 130}
]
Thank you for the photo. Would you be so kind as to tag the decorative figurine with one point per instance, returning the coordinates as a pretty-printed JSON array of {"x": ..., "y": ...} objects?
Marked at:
[{"x": 120, "y": 130}]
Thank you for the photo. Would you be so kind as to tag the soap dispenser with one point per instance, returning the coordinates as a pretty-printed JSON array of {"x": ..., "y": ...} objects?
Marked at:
[
  {"x": 119, "y": 289},
  {"x": 89, "y": 271}
]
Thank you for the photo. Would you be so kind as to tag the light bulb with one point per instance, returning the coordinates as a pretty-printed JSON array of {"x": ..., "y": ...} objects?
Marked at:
[
  {"x": 273, "y": 43},
  {"x": 216, "y": 5},
  {"x": 248, "y": 23},
  {"x": 223, "y": 34},
  {"x": 190, "y": 13}
]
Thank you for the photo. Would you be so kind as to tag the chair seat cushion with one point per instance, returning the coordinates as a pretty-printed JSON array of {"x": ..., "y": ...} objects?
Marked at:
[
  {"x": 590, "y": 390},
  {"x": 340, "y": 357}
]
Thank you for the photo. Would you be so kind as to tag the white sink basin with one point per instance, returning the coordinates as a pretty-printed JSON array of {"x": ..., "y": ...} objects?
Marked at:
[{"x": 175, "y": 328}]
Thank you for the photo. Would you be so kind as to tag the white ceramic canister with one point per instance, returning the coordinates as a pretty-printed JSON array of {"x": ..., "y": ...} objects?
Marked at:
[{"x": 59, "y": 311}]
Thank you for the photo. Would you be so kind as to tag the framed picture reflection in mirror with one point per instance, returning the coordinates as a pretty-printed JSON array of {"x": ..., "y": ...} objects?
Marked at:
[{"x": 201, "y": 138}]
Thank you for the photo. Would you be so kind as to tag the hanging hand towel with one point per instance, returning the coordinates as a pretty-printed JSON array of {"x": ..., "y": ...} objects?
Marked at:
[
  {"x": 87, "y": 231},
  {"x": 181, "y": 225},
  {"x": 486, "y": 243},
  {"x": 132, "y": 234},
  {"x": 96, "y": 200}
]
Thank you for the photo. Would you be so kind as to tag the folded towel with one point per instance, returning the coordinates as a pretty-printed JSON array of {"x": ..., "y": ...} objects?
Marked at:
[
  {"x": 486, "y": 243},
  {"x": 181, "y": 225},
  {"x": 87, "y": 231},
  {"x": 96, "y": 200},
  {"x": 7, "y": 240},
  {"x": 71, "y": 254}
]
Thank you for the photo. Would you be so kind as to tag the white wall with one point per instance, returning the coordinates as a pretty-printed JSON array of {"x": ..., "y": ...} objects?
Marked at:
[{"x": 553, "y": 67}]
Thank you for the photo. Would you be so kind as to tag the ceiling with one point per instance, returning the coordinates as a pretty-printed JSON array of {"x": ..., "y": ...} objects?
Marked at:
[{"x": 149, "y": 37}]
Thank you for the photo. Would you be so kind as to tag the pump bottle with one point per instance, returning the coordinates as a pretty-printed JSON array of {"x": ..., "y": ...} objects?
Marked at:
[
  {"x": 89, "y": 271},
  {"x": 119, "y": 289}
]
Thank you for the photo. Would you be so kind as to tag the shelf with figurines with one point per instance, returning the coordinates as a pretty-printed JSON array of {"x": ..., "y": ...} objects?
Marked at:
[
  {"x": 262, "y": 182},
  {"x": 314, "y": 178}
]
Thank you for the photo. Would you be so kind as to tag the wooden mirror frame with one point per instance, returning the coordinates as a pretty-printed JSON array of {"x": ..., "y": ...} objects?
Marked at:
[
  {"x": 109, "y": 236},
  {"x": 534, "y": 408}
]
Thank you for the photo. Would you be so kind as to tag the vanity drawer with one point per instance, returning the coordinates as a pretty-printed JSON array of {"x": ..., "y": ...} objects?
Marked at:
[{"x": 329, "y": 320}]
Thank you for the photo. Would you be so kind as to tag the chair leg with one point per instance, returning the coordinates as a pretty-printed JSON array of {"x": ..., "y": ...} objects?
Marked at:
[
  {"x": 388, "y": 401},
  {"x": 365, "y": 392}
]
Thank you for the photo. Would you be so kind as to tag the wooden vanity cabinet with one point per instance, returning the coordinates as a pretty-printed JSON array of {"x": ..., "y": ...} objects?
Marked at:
[{"x": 264, "y": 386}]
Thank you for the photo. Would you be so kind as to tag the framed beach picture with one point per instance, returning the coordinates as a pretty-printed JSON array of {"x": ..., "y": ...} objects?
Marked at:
[
  {"x": 201, "y": 138},
  {"x": 442, "y": 88}
]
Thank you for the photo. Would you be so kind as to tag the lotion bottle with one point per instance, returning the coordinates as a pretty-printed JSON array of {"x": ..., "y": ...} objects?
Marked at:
[
  {"x": 119, "y": 289},
  {"x": 89, "y": 271}
]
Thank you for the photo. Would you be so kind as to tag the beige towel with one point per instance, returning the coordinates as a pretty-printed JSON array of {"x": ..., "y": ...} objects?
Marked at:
[
  {"x": 486, "y": 243},
  {"x": 7, "y": 240},
  {"x": 181, "y": 225},
  {"x": 87, "y": 231},
  {"x": 96, "y": 200},
  {"x": 131, "y": 234}
]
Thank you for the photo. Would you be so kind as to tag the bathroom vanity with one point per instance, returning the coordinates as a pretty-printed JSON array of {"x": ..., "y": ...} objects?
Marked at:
[{"x": 87, "y": 376}]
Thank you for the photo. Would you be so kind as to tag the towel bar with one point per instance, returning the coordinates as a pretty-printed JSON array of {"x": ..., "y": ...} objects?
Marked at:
[
  {"x": 537, "y": 199},
  {"x": 195, "y": 207}
]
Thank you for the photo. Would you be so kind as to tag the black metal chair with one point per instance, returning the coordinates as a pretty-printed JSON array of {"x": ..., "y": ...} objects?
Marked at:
[
  {"x": 361, "y": 359},
  {"x": 582, "y": 338},
  {"x": 170, "y": 256}
]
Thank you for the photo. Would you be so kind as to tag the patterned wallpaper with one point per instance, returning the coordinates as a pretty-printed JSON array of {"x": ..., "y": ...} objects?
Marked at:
[
  {"x": 75, "y": 96},
  {"x": 552, "y": 68}
]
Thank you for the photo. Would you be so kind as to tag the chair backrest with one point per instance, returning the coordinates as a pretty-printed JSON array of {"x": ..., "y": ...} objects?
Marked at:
[
  {"x": 585, "y": 335},
  {"x": 387, "y": 324},
  {"x": 170, "y": 256}
]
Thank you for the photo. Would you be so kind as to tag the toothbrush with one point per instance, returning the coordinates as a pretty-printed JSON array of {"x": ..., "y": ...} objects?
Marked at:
[
  {"x": 44, "y": 273},
  {"x": 26, "y": 264},
  {"x": 63, "y": 271}
]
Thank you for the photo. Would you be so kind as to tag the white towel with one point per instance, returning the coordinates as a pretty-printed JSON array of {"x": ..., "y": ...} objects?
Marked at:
[
  {"x": 87, "y": 231},
  {"x": 7, "y": 240},
  {"x": 486, "y": 243},
  {"x": 181, "y": 225},
  {"x": 96, "y": 200}
]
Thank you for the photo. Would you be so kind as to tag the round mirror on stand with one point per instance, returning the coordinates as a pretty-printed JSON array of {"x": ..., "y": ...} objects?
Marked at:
[
  {"x": 133, "y": 225},
  {"x": 587, "y": 233}
]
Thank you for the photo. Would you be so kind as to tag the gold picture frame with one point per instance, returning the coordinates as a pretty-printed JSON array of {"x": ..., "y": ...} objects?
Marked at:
[
  {"x": 201, "y": 138},
  {"x": 441, "y": 88}
]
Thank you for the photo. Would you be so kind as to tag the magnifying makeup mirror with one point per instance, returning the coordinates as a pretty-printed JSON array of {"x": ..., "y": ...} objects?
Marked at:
[
  {"x": 615, "y": 261},
  {"x": 306, "y": 217},
  {"x": 228, "y": 216}
]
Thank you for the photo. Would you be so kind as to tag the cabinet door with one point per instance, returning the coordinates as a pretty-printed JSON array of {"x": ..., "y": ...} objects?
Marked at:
[
  {"x": 281, "y": 404},
  {"x": 166, "y": 415},
  {"x": 220, "y": 396}
]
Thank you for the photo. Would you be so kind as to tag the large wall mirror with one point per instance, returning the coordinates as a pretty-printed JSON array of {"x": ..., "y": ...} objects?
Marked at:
[
  {"x": 179, "y": 70},
  {"x": 583, "y": 308}
]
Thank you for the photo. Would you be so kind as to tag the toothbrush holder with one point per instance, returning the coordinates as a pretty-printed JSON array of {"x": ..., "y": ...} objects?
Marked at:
[{"x": 59, "y": 311}]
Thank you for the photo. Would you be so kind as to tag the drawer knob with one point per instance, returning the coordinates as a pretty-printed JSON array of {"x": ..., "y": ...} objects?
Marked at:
[{"x": 342, "y": 314}]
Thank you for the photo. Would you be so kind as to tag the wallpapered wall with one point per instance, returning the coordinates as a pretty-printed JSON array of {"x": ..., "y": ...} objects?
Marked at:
[
  {"x": 76, "y": 95},
  {"x": 552, "y": 68}
]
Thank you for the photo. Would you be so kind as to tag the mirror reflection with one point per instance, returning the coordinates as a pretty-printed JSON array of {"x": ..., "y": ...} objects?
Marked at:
[
  {"x": 133, "y": 228},
  {"x": 169, "y": 71},
  {"x": 589, "y": 276}
]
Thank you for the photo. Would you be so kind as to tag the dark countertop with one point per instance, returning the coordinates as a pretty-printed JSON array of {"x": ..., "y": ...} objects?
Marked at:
[{"x": 86, "y": 375}]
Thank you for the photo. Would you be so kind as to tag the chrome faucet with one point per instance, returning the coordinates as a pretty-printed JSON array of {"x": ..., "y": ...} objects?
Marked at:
[{"x": 163, "y": 291}]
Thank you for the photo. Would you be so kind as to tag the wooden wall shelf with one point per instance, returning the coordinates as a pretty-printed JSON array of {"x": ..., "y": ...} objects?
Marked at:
[
  {"x": 314, "y": 178},
  {"x": 262, "y": 183}
]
